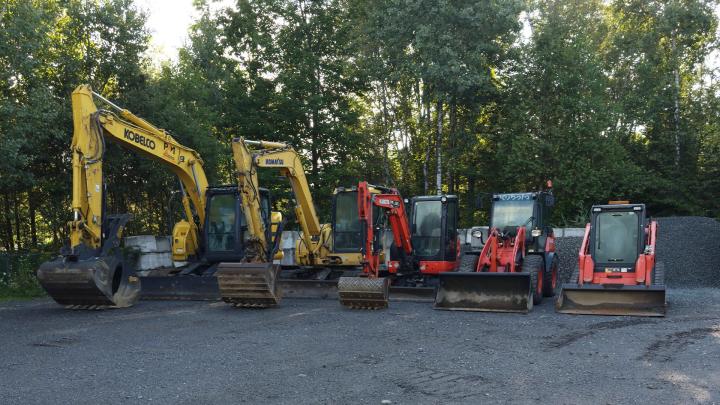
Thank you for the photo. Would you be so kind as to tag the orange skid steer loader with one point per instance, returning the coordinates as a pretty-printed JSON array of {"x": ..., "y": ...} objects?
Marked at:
[{"x": 617, "y": 273}]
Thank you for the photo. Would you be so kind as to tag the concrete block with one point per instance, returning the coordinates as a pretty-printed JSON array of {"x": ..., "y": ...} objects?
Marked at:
[
  {"x": 148, "y": 243},
  {"x": 148, "y": 261}
]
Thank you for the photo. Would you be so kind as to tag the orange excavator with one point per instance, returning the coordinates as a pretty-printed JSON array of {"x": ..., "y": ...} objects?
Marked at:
[{"x": 427, "y": 245}]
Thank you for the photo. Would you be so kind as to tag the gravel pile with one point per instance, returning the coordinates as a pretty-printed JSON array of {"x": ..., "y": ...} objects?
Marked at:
[
  {"x": 567, "y": 250},
  {"x": 689, "y": 247}
]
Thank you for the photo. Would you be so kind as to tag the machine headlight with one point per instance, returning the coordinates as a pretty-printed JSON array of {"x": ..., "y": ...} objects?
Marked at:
[{"x": 536, "y": 232}]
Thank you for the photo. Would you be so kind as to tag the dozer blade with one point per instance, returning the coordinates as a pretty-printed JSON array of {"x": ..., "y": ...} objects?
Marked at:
[
  {"x": 494, "y": 292},
  {"x": 90, "y": 283},
  {"x": 363, "y": 292},
  {"x": 249, "y": 285},
  {"x": 601, "y": 300}
]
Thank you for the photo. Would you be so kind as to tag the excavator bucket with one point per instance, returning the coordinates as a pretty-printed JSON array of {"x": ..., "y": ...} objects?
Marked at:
[
  {"x": 607, "y": 300},
  {"x": 249, "y": 285},
  {"x": 90, "y": 283},
  {"x": 494, "y": 292},
  {"x": 363, "y": 292}
]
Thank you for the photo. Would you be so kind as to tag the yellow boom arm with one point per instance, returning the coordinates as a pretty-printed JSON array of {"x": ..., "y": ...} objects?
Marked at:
[
  {"x": 91, "y": 127},
  {"x": 284, "y": 158}
]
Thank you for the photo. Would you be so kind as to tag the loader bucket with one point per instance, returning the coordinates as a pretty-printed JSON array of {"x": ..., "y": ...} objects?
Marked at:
[
  {"x": 363, "y": 292},
  {"x": 605, "y": 300},
  {"x": 249, "y": 285},
  {"x": 90, "y": 284},
  {"x": 494, "y": 292}
]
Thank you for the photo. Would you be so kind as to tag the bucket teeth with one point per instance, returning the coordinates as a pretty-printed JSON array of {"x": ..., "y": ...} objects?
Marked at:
[
  {"x": 249, "y": 285},
  {"x": 363, "y": 293}
]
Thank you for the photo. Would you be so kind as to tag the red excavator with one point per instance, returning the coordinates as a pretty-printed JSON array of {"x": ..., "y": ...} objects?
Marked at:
[
  {"x": 617, "y": 273},
  {"x": 427, "y": 245}
]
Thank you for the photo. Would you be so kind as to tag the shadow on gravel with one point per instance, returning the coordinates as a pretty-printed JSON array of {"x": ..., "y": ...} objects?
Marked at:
[
  {"x": 663, "y": 349},
  {"x": 590, "y": 330}
]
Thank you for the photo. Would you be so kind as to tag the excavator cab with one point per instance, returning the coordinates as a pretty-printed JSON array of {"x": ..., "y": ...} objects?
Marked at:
[
  {"x": 225, "y": 233},
  {"x": 346, "y": 228},
  {"x": 433, "y": 226}
]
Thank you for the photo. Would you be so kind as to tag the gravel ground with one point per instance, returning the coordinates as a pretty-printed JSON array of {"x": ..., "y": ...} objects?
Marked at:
[{"x": 312, "y": 351}]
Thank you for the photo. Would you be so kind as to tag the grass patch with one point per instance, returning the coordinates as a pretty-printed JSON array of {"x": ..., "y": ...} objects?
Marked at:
[{"x": 17, "y": 275}]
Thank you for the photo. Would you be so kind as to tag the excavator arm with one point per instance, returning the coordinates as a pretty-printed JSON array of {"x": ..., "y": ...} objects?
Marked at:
[
  {"x": 284, "y": 158},
  {"x": 92, "y": 126},
  {"x": 255, "y": 284},
  {"x": 92, "y": 272}
]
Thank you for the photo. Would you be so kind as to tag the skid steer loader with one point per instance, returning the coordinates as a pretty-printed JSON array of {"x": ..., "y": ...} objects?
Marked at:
[
  {"x": 617, "y": 272},
  {"x": 517, "y": 265}
]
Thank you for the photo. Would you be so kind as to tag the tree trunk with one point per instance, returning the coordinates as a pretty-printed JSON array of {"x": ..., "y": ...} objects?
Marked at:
[
  {"x": 9, "y": 242},
  {"x": 676, "y": 74},
  {"x": 426, "y": 162},
  {"x": 16, "y": 209},
  {"x": 387, "y": 134},
  {"x": 33, "y": 225},
  {"x": 438, "y": 147},
  {"x": 451, "y": 135}
]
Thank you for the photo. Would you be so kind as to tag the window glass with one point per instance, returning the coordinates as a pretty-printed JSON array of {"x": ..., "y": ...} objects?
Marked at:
[
  {"x": 347, "y": 223},
  {"x": 427, "y": 235},
  {"x": 512, "y": 214},
  {"x": 222, "y": 220},
  {"x": 451, "y": 230},
  {"x": 616, "y": 237}
]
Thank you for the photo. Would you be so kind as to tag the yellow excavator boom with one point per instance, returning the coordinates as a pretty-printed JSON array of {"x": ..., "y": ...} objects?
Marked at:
[{"x": 92, "y": 272}]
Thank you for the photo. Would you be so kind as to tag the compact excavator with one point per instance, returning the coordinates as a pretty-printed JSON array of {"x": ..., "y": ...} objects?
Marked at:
[
  {"x": 426, "y": 242},
  {"x": 222, "y": 224}
]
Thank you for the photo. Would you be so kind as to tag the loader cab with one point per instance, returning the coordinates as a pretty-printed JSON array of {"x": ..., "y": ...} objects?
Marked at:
[
  {"x": 617, "y": 236},
  {"x": 531, "y": 210},
  {"x": 347, "y": 237},
  {"x": 225, "y": 228},
  {"x": 434, "y": 232}
]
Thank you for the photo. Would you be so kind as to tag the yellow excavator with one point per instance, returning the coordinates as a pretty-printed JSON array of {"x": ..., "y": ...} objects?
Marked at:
[
  {"x": 222, "y": 224},
  {"x": 323, "y": 252}
]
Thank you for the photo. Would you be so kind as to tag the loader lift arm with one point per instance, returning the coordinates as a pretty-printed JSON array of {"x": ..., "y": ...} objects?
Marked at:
[{"x": 91, "y": 272}]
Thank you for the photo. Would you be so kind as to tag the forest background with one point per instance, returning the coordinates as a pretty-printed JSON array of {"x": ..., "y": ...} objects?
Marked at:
[{"x": 611, "y": 99}]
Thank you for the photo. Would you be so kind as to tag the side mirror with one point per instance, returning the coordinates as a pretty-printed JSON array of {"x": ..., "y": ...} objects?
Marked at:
[{"x": 550, "y": 200}]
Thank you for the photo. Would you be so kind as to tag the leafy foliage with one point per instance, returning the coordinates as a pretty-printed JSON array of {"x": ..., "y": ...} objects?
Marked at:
[{"x": 610, "y": 99}]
